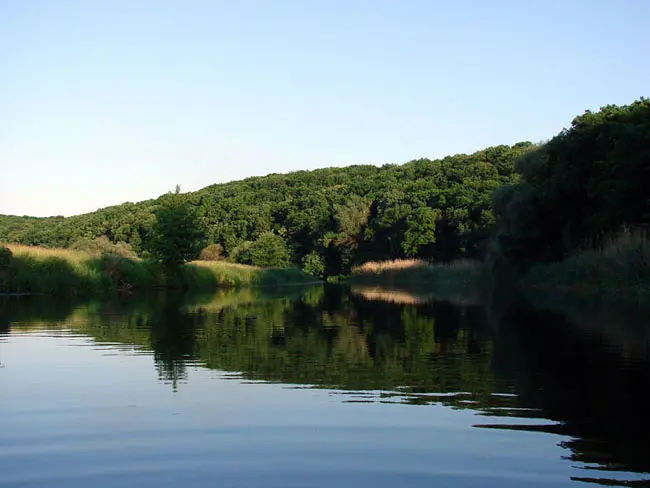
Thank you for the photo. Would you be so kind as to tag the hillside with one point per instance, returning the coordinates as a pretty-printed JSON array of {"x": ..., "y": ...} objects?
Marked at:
[{"x": 425, "y": 208}]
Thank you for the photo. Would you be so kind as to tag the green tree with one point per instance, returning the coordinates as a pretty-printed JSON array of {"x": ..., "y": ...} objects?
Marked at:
[
  {"x": 270, "y": 251},
  {"x": 577, "y": 189},
  {"x": 420, "y": 231},
  {"x": 313, "y": 264},
  {"x": 177, "y": 236},
  {"x": 352, "y": 216},
  {"x": 348, "y": 215}
]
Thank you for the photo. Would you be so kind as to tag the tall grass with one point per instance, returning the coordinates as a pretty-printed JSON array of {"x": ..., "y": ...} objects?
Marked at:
[
  {"x": 458, "y": 276},
  {"x": 82, "y": 273},
  {"x": 224, "y": 274},
  {"x": 618, "y": 269},
  {"x": 70, "y": 272}
]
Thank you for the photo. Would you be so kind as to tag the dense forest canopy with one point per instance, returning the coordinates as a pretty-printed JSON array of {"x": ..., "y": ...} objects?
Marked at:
[
  {"x": 329, "y": 218},
  {"x": 584, "y": 185}
]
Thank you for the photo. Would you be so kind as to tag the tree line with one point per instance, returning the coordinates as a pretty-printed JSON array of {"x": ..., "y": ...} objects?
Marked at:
[
  {"x": 521, "y": 204},
  {"x": 579, "y": 189},
  {"x": 326, "y": 220}
]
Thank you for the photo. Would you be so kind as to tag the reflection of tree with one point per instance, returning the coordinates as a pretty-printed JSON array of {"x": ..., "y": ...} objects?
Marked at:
[
  {"x": 345, "y": 342},
  {"x": 595, "y": 392},
  {"x": 173, "y": 339}
]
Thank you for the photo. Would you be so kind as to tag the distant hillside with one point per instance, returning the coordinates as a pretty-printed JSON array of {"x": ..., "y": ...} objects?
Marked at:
[{"x": 340, "y": 216}]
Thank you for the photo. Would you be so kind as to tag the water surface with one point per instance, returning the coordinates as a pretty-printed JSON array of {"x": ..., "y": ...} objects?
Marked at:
[{"x": 315, "y": 387}]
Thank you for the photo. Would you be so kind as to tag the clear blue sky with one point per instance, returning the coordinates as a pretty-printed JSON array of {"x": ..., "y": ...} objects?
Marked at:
[{"x": 107, "y": 101}]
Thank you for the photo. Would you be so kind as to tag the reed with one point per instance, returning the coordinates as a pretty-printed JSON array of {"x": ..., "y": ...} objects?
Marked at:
[{"x": 462, "y": 276}]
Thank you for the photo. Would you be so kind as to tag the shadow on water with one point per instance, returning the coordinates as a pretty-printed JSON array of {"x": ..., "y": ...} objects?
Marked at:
[{"x": 529, "y": 370}]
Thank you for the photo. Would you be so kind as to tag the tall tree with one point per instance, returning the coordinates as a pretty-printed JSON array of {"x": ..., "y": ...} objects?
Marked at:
[{"x": 177, "y": 236}]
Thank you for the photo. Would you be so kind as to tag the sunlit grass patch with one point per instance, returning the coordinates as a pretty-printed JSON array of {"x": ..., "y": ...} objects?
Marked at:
[
  {"x": 74, "y": 272},
  {"x": 378, "y": 267},
  {"x": 415, "y": 269},
  {"x": 37, "y": 252}
]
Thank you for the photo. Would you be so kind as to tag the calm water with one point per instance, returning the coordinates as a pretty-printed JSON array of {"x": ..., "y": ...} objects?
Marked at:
[{"x": 322, "y": 387}]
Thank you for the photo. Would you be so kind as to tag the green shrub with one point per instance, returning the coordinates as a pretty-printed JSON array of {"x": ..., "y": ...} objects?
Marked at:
[
  {"x": 268, "y": 251},
  {"x": 313, "y": 264},
  {"x": 103, "y": 246},
  {"x": 242, "y": 253}
]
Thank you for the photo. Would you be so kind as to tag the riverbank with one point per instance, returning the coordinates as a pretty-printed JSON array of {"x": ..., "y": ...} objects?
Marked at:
[
  {"x": 458, "y": 277},
  {"x": 616, "y": 272},
  {"x": 36, "y": 270}
]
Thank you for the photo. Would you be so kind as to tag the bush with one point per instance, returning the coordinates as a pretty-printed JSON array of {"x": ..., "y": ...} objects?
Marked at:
[
  {"x": 313, "y": 264},
  {"x": 213, "y": 252},
  {"x": 268, "y": 251},
  {"x": 102, "y": 246},
  {"x": 5, "y": 257},
  {"x": 242, "y": 253}
]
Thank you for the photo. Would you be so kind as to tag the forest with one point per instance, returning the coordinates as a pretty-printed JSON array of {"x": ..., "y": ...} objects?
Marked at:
[
  {"x": 329, "y": 219},
  {"x": 521, "y": 204}
]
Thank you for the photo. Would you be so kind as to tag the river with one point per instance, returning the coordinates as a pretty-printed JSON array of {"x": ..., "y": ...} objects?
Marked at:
[{"x": 317, "y": 387}]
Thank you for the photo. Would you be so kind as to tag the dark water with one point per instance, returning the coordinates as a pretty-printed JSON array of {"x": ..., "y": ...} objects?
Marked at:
[{"x": 320, "y": 387}]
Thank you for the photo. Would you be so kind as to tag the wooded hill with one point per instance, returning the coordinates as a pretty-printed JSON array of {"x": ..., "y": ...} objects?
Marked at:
[
  {"x": 436, "y": 209},
  {"x": 552, "y": 200}
]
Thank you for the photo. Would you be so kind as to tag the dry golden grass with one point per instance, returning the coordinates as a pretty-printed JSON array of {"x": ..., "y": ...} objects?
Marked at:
[
  {"x": 223, "y": 264},
  {"x": 376, "y": 267},
  {"x": 457, "y": 281},
  {"x": 398, "y": 265},
  {"x": 44, "y": 252}
]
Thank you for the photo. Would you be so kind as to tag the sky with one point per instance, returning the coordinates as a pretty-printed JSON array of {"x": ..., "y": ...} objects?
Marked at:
[{"x": 103, "y": 102}]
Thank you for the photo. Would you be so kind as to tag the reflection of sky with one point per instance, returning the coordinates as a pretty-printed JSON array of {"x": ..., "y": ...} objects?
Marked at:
[{"x": 74, "y": 410}]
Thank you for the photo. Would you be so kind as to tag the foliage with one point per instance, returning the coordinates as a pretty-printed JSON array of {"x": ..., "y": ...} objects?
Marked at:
[
  {"x": 177, "y": 236},
  {"x": 313, "y": 264},
  {"x": 212, "y": 252},
  {"x": 5, "y": 257},
  {"x": 345, "y": 215},
  {"x": 241, "y": 254},
  {"x": 103, "y": 246},
  {"x": 522, "y": 206},
  {"x": 580, "y": 187},
  {"x": 269, "y": 250},
  {"x": 420, "y": 230}
]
